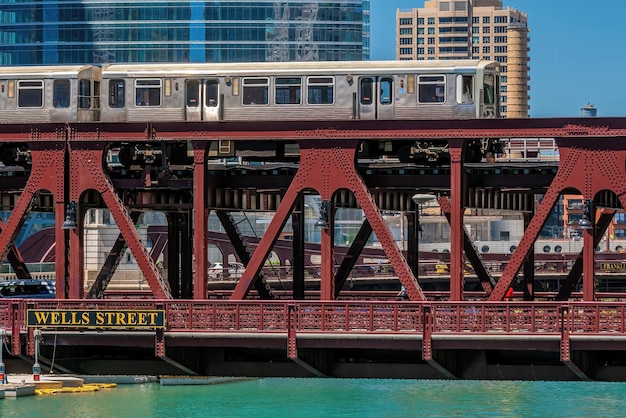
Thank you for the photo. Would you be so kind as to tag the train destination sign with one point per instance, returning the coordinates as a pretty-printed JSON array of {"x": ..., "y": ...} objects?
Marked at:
[{"x": 82, "y": 318}]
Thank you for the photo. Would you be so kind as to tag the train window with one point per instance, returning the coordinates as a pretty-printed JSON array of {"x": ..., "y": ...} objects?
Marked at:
[
  {"x": 255, "y": 90},
  {"x": 193, "y": 93},
  {"x": 431, "y": 88},
  {"x": 30, "y": 93},
  {"x": 321, "y": 90},
  {"x": 288, "y": 90},
  {"x": 386, "y": 91},
  {"x": 367, "y": 91},
  {"x": 212, "y": 93},
  {"x": 465, "y": 89},
  {"x": 61, "y": 94},
  {"x": 116, "y": 94},
  {"x": 84, "y": 94},
  {"x": 148, "y": 92}
]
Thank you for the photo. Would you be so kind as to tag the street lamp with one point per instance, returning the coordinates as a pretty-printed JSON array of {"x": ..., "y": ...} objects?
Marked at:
[
  {"x": 70, "y": 216},
  {"x": 585, "y": 222},
  {"x": 322, "y": 222},
  {"x": 422, "y": 200}
]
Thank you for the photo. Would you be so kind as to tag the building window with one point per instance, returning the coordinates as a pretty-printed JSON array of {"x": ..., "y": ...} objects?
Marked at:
[
  {"x": 486, "y": 50},
  {"x": 406, "y": 21},
  {"x": 499, "y": 39},
  {"x": 431, "y": 89},
  {"x": 500, "y": 19},
  {"x": 288, "y": 90},
  {"x": 431, "y": 50},
  {"x": 500, "y": 49},
  {"x": 420, "y": 20},
  {"x": 486, "y": 39},
  {"x": 409, "y": 51},
  {"x": 406, "y": 31},
  {"x": 431, "y": 20},
  {"x": 475, "y": 20},
  {"x": 255, "y": 90},
  {"x": 499, "y": 29},
  {"x": 486, "y": 19},
  {"x": 420, "y": 31},
  {"x": 486, "y": 29},
  {"x": 406, "y": 41},
  {"x": 420, "y": 41},
  {"x": 30, "y": 93},
  {"x": 475, "y": 29},
  {"x": 431, "y": 41},
  {"x": 501, "y": 58},
  {"x": 420, "y": 51}
]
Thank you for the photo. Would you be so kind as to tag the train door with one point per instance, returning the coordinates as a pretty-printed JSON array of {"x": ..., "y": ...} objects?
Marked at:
[
  {"x": 376, "y": 98},
  {"x": 202, "y": 100}
]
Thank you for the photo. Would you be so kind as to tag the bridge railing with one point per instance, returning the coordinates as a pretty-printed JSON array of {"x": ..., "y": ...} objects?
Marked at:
[{"x": 352, "y": 317}]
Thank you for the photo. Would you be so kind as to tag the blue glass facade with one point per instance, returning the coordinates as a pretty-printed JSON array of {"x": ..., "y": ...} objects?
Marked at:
[{"x": 90, "y": 31}]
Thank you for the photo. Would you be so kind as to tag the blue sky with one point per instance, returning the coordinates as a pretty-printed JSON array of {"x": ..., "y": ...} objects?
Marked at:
[{"x": 577, "y": 54}]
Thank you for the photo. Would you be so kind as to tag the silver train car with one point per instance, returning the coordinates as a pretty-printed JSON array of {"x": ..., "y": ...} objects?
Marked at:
[
  {"x": 40, "y": 94},
  {"x": 455, "y": 89},
  {"x": 214, "y": 93}
]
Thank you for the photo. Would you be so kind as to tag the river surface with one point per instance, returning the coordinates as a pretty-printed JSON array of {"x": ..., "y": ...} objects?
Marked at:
[{"x": 275, "y": 397}]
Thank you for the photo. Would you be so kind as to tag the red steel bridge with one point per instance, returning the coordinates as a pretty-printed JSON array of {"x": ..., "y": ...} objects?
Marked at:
[{"x": 330, "y": 330}]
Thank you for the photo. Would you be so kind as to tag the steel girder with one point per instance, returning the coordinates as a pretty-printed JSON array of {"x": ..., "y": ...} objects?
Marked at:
[{"x": 591, "y": 166}]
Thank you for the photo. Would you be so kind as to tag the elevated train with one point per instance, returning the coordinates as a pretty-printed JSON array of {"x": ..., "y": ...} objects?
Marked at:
[{"x": 216, "y": 93}]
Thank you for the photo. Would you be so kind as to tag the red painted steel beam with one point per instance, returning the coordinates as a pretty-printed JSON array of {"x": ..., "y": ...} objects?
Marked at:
[
  {"x": 589, "y": 165},
  {"x": 326, "y": 167},
  {"x": 457, "y": 229},
  {"x": 16, "y": 260},
  {"x": 47, "y": 173},
  {"x": 200, "y": 221},
  {"x": 486, "y": 279},
  {"x": 568, "y": 128},
  {"x": 87, "y": 173},
  {"x": 575, "y": 273}
]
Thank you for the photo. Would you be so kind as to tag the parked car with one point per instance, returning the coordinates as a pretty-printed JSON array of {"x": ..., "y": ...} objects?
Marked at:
[
  {"x": 235, "y": 270},
  {"x": 27, "y": 289}
]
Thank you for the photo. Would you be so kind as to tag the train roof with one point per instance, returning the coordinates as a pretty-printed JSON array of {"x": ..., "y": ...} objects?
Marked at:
[
  {"x": 308, "y": 67},
  {"x": 43, "y": 70}
]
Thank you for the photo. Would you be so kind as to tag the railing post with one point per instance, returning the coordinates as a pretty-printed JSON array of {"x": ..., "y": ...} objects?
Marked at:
[
  {"x": 427, "y": 353},
  {"x": 16, "y": 345},
  {"x": 159, "y": 340},
  {"x": 292, "y": 350},
  {"x": 565, "y": 323}
]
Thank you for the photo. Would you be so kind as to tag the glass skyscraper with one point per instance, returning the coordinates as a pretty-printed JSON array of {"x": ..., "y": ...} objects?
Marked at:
[{"x": 90, "y": 31}]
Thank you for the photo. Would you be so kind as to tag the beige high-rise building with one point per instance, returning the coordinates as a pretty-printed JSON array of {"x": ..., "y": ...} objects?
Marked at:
[{"x": 478, "y": 29}]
